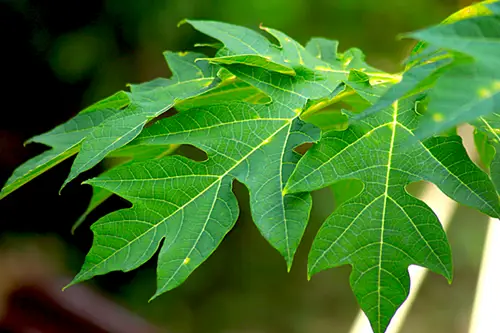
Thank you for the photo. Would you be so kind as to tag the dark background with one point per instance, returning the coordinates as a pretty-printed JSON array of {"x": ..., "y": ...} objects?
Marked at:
[{"x": 59, "y": 56}]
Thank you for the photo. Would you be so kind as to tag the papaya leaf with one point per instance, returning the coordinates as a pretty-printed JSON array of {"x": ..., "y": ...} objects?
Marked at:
[
  {"x": 65, "y": 140},
  {"x": 190, "y": 203},
  {"x": 383, "y": 230},
  {"x": 148, "y": 101}
]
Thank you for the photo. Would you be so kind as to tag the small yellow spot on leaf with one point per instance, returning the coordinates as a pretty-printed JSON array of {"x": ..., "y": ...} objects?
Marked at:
[
  {"x": 186, "y": 261},
  {"x": 266, "y": 141},
  {"x": 438, "y": 117},
  {"x": 297, "y": 111},
  {"x": 287, "y": 61},
  {"x": 484, "y": 93},
  {"x": 287, "y": 39},
  {"x": 322, "y": 68},
  {"x": 182, "y": 54}
]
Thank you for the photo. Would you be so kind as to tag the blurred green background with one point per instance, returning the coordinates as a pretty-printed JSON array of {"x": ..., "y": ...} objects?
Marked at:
[{"x": 61, "y": 56}]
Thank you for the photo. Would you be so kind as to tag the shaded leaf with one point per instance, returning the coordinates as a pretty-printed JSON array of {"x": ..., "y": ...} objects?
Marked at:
[
  {"x": 462, "y": 94},
  {"x": 478, "y": 37}
]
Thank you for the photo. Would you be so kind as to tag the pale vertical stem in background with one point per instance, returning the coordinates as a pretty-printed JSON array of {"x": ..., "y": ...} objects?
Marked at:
[
  {"x": 444, "y": 209},
  {"x": 485, "y": 315}
]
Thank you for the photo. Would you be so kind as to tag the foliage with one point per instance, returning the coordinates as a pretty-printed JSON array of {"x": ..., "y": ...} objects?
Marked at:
[{"x": 253, "y": 108}]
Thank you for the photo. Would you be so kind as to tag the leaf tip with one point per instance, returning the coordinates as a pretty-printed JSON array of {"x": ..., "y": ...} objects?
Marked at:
[
  {"x": 78, "y": 222},
  {"x": 157, "y": 293},
  {"x": 72, "y": 283},
  {"x": 263, "y": 27},
  {"x": 182, "y": 22},
  {"x": 62, "y": 188},
  {"x": 289, "y": 261}
]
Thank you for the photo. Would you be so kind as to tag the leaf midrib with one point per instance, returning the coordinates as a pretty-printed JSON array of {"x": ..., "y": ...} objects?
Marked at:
[{"x": 384, "y": 208}]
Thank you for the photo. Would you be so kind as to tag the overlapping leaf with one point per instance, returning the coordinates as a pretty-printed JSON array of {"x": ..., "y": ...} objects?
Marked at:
[
  {"x": 190, "y": 204},
  {"x": 383, "y": 230},
  {"x": 458, "y": 62}
]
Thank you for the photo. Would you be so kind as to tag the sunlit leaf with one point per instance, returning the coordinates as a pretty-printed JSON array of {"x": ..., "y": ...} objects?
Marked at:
[{"x": 383, "y": 230}]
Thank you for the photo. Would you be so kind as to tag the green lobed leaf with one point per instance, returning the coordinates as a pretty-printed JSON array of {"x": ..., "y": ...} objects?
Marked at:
[
  {"x": 251, "y": 143},
  {"x": 383, "y": 230},
  {"x": 65, "y": 140},
  {"x": 190, "y": 203},
  {"x": 148, "y": 101}
]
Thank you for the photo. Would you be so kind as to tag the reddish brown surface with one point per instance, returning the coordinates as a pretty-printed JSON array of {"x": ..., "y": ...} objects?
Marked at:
[{"x": 44, "y": 308}]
